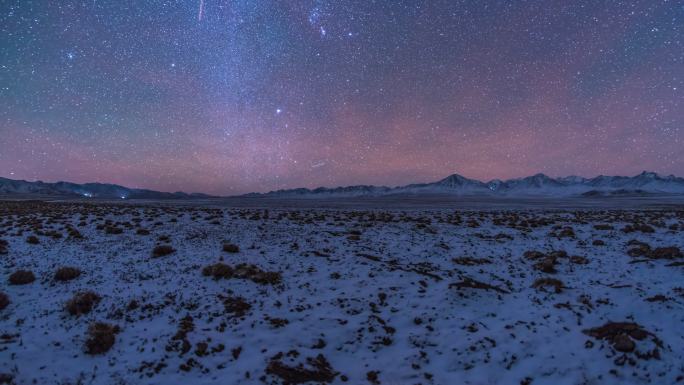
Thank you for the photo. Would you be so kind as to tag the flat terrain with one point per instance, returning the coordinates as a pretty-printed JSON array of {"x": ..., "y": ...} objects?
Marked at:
[{"x": 227, "y": 292}]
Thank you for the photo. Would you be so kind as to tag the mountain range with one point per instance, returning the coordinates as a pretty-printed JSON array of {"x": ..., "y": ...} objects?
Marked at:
[
  {"x": 86, "y": 190},
  {"x": 535, "y": 185},
  {"x": 646, "y": 183}
]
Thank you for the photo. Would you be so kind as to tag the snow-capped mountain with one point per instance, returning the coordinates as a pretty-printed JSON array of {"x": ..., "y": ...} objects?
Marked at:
[
  {"x": 88, "y": 190},
  {"x": 535, "y": 185}
]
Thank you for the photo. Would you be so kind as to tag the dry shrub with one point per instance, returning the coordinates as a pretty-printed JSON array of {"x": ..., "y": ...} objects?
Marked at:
[
  {"x": 671, "y": 252},
  {"x": 218, "y": 270},
  {"x": 162, "y": 250},
  {"x": 621, "y": 335},
  {"x": 33, "y": 240},
  {"x": 64, "y": 274},
  {"x": 542, "y": 283},
  {"x": 113, "y": 230},
  {"x": 21, "y": 277},
  {"x": 142, "y": 232},
  {"x": 101, "y": 338},
  {"x": 236, "y": 306},
  {"x": 247, "y": 271},
  {"x": 243, "y": 271},
  {"x": 82, "y": 303},
  {"x": 231, "y": 248},
  {"x": 320, "y": 370},
  {"x": 4, "y": 300}
]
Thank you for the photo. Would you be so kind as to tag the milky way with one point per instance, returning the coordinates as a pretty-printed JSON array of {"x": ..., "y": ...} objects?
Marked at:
[{"x": 234, "y": 96}]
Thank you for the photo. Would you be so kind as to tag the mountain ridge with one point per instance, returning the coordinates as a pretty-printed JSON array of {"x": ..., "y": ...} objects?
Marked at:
[
  {"x": 87, "y": 190},
  {"x": 454, "y": 184},
  {"x": 534, "y": 185}
]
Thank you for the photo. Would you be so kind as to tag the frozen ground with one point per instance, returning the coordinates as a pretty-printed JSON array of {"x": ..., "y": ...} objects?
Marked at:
[{"x": 362, "y": 296}]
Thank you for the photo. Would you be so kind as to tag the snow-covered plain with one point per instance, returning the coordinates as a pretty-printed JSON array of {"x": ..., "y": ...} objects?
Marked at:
[{"x": 342, "y": 296}]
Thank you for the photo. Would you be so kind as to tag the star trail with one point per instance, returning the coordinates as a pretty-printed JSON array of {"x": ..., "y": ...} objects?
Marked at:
[{"x": 229, "y": 97}]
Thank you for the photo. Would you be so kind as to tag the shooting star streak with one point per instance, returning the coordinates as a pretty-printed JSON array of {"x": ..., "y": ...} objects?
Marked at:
[{"x": 201, "y": 11}]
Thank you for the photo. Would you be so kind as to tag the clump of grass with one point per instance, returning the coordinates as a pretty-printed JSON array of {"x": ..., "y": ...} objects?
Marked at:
[
  {"x": 162, "y": 250},
  {"x": 142, "y": 232},
  {"x": 543, "y": 283},
  {"x": 218, "y": 270},
  {"x": 21, "y": 277},
  {"x": 101, "y": 338},
  {"x": 231, "y": 248},
  {"x": 113, "y": 230},
  {"x": 242, "y": 271},
  {"x": 82, "y": 303},
  {"x": 64, "y": 274},
  {"x": 4, "y": 300},
  {"x": 32, "y": 240}
]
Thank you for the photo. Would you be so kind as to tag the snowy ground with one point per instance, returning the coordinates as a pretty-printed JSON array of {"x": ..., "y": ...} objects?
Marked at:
[{"x": 355, "y": 296}]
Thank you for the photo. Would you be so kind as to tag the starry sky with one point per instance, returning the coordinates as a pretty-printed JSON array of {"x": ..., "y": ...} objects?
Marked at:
[{"x": 233, "y": 96}]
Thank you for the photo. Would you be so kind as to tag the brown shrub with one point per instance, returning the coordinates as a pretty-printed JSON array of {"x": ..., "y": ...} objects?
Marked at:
[
  {"x": 320, "y": 370},
  {"x": 247, "y": 271},
  {"x": 671, "y": 252},
  {"x": 4, "y": 300},
  {"x": 113, "y": 230},
  {"x": 602, "y": 226},
  {"x": 231, "y": 248},
  {"x": 547, "y": 265},
  {"x": 64, "y": 274},
  {"x": 33, "y": 240},
  {"x": 469, "y": 261},
  {"x": 579, "y": 260},
  {"x": 21, "y": 277},
  {"x": 142, "y": 232},
  {"x": 101, "y": 338},
  {"x": 82, "y": 303},
  {"x": 542, "y": 283},
  {"x": 243, "y": 271},
  {"x": 621, "y": 335},
  {"x": 218, "y": 270},
  {"x": 236, "y": 305},
  {"x": 162, "y": 250}
]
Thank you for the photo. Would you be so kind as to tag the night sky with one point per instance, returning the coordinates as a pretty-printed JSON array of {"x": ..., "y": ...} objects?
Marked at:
[{"x": 232, "y": 96}]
